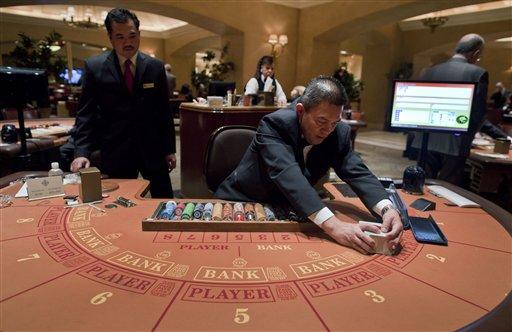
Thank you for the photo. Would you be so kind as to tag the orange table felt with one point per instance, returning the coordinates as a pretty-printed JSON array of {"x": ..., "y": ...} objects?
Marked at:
[{"x": 80, "y": 268}]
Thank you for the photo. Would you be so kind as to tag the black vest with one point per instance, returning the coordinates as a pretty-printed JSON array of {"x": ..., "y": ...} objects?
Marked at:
[{"x": 261, "y": 84}]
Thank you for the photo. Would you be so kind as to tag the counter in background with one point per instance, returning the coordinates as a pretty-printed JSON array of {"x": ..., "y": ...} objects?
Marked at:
[{"x": 197, "y": 123}]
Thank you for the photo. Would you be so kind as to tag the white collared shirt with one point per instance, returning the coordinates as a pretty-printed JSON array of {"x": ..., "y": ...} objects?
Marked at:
[
  {"x": 252, "y": 88},
  {"x": 133, "y": 65},
  {"x": 323, "y": 214}
]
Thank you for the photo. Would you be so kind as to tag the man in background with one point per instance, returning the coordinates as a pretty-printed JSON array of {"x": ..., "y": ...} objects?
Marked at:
[
  {"x": 127, "y": 90},
  {"x": 447, "y": 152},
  {"x": 499, "y": 97}
]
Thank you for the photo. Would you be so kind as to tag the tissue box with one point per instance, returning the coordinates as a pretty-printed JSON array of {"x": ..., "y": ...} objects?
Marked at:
[{"x": 501, "y": 145}]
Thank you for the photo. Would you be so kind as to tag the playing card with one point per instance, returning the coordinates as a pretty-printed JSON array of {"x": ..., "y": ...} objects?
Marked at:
[{"x": 381, "y": 240}]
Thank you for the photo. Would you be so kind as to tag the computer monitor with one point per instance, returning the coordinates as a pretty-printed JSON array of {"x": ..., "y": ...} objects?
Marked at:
[
  {"x": 76, "y": 75},
  {"x": 431, "y": 106},
  {"x": 220, "y": 88},
  {"x": 23, "y": 85}
]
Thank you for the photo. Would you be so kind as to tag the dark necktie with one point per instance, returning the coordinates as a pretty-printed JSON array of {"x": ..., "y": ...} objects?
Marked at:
[{"x": 128, "y": 75}]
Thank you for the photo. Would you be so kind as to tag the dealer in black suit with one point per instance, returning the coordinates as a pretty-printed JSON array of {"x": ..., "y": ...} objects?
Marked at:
[
  {"x": 129, "y": 90},
  {"x": 273, "y": 169},
  {"x": 447, "y": 152}
]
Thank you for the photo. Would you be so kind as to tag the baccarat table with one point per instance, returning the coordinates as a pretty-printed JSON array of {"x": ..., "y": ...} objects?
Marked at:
[{"x": 83, "y": 269}]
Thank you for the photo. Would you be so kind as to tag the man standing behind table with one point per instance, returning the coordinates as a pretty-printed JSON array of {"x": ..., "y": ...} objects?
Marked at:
[
  {"x": 129, "y": 90},
  {"x": 273, "y": 169},
  {"x": 447, "y": 153},
  {"x": 500, "y": 95}
]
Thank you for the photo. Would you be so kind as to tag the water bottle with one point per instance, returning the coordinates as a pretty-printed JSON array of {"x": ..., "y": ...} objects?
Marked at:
[
  {"x": 55, "y": 170},
  {"x": 230, "y": 98}
]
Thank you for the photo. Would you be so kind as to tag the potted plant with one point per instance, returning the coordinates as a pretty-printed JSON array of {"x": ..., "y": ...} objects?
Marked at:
[
  {"x": 213, "y": 70},
  {"x": 30, "y": 53}
]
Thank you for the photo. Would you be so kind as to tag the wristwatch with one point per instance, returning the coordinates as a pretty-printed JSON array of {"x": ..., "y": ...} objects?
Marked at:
[{"x": 388, "y": 207}]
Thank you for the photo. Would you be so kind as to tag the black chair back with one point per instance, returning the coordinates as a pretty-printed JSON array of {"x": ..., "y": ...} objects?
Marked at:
[{"x": 226, "y": 147}]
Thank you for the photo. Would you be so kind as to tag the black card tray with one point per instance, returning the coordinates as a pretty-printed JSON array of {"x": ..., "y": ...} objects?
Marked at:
[{"x": 425, "y": 230}]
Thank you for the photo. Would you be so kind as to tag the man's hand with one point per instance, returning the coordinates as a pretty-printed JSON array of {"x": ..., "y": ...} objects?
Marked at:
[
  {"x": 392, "y": 224},
  {"x": 79, "y": 162},
  {"x": 350, "y": 235},
  {"x": 171, "y": 161}
]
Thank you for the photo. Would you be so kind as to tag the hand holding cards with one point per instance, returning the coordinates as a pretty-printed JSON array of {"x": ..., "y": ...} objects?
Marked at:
[{"x": 381, "y": 240}]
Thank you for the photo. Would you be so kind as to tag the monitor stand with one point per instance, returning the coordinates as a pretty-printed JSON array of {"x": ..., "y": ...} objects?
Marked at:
[
  {"x": 424, "y": 150},
  {"x": 24, "y": 157}
]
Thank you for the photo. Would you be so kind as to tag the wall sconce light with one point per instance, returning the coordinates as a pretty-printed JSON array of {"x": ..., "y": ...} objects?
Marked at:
[{"x": 277, "y": 43}]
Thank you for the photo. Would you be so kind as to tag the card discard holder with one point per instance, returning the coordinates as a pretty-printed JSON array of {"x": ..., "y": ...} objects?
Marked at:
[
  {"x": 90, "y": 185},
  {"x": 425, "y": 230},
  {"x": 422, "y": 204}
]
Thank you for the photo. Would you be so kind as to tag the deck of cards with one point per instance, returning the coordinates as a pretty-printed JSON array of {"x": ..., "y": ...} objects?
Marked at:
[{"x": 381, "y": 240}]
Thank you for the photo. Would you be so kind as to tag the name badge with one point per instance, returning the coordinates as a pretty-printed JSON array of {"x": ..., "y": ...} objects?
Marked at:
[
  {"x": 148, "y": 85},
  {"x": 46, "y": 187}
]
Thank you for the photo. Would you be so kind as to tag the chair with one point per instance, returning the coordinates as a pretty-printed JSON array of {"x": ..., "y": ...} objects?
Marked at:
[{"x": 226, "y": 147}]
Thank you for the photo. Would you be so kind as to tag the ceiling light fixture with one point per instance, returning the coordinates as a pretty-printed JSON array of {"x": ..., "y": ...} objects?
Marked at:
[
  {"x": 434, "y": 22},
  {"x": 87, "y": 19}
]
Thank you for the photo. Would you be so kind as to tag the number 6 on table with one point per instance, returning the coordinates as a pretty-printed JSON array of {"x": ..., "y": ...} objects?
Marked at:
[{"x": 101, "y": 298}]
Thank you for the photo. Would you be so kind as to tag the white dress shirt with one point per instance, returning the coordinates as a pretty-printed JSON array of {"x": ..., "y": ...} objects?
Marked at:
[
  {"x": 323, "y": 214},
  {"x": 133, "y": 65},
  {"x": 252, "y": 88}
]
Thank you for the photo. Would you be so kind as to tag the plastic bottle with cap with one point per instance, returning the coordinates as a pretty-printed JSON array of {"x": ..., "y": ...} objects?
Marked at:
[
  {"x": 229, "y": 98},
  {"x": 55, "y": 170}
]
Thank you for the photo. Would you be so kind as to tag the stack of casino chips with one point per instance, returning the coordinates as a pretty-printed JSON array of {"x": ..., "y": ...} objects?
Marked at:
[
  {"x": 188, "y": 211},
  {"x": 238, "y": 212},
  {"x": 168, "y": 212}
]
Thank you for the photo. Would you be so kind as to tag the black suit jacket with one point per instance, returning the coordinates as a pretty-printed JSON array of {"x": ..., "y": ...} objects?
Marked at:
[
  {"x": 135, "y": 127},
  {"x": 458, "y": 70},
  {"x": 273, "y": 168}
]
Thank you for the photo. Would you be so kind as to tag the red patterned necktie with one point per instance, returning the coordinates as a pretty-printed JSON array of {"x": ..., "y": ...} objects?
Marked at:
[{"x": 128, "y": 75}]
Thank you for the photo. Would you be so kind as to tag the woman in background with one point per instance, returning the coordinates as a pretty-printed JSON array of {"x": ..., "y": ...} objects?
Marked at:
[{"x": 264, "y": 80}]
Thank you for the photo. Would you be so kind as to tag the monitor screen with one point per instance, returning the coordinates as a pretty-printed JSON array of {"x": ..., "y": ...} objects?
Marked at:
[
  {"x": 220, "y": 88},
  {"x": 23, "y": 85},
  {"x": 76, "y": 75},
  {"x": 431, "y": 106}
]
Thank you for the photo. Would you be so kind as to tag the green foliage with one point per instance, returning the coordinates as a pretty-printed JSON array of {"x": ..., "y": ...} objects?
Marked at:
[
  {"x": 216, "y": 71},
  {"x": 29, "y": 53},
  {"x": 352, "y": 86}
]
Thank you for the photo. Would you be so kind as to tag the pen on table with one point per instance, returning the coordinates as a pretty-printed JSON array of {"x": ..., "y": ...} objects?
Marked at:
[
  {"x": 97, "y": 208},
  {"x": 91, "y": 204}
]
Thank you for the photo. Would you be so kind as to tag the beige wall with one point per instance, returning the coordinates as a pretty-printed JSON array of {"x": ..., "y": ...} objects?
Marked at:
[
  {"x": 380, "y": 50},
  {"x": 9, "y": 32},
  {"x": 180, "y": 50},
  {"x": 498, "y": 62},
  {"x": 316, "y": 35},
  {"x": 425, "y": 49},
  {"x": 248, "y": 23}
]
